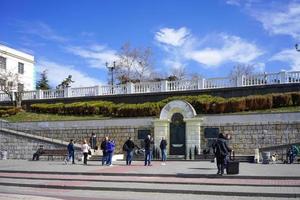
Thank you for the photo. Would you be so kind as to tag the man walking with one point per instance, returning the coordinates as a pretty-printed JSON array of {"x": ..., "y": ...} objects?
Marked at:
[
  {"x": 148, "y": 142},
  {"x": 221, "y": 151},
  {"x": 71, "y": 152},
  {"x": 163, "y": 149}
]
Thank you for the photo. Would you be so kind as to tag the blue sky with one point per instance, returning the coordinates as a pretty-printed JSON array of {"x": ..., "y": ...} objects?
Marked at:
[{"x": 206, "y": 37}]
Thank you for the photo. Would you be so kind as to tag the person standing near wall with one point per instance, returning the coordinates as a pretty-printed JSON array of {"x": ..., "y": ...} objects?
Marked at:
[
  {"x": 163, "y": 149},
  {"x": 148, "y": 145},
  {"x": 221, "y": 151},
  {"x": 110, "y": 146},
  {"x": 129, "y": 147},
  {"x": 104, "y": 150},
  {"x": 85, "y": 150},
  {"x": 71, "y": 152}
]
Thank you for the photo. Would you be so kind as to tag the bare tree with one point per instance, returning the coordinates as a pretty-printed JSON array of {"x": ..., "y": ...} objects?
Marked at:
[
  {"x": 179, "y": 73},
  {"x": 11, "y": 85},
  {"x": 134, "y": 64},
  {"x": 241, "y": 69}
]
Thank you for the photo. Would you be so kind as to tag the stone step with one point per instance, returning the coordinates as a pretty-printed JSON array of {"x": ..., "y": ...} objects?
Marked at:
[{"x": 179, "y": 188}]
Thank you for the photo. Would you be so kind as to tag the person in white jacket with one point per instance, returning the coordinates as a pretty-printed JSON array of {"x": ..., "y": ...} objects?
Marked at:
[{"x": 85, "y": 150}]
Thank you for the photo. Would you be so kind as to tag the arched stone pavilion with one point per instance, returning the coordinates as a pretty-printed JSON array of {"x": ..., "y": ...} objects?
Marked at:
[{"x": 179, "y": 124}]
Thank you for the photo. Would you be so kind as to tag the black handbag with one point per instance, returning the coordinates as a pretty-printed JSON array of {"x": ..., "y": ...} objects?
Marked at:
[{"x": 89, "y": 152}]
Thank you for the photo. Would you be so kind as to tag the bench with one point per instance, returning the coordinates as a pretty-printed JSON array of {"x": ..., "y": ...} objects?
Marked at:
[{"x": 54, "y": 152}]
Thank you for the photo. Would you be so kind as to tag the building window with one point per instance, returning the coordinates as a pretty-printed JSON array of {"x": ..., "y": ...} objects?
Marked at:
[
  {"x": 20, "y": 87},
  {"x": 2, "y": 63},
  {"x": 21, "y": 68}
]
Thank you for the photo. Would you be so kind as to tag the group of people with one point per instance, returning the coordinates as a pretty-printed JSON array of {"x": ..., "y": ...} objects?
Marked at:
[{"x": 108, "y": 147}]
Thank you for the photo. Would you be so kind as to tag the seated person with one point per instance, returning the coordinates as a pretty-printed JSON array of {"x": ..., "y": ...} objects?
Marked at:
[{"x": 40, "y": 151}]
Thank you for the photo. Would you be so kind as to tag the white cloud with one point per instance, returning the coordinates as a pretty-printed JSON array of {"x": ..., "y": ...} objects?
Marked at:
[
  {"x": 233, "y": 2},
  {"x": 285, "y": 21},
  {"x": 41, "y": 30},
  {"x": 96, "y": 55},
  {"x": 232, "y": 49},
  {"x": 290, "y": 56},
  {"x": 172, "y": 36},
  {"x": 276, "y": 17},
  {"x": 58, "y": 72},
  {"x": 211, "y": 52}
]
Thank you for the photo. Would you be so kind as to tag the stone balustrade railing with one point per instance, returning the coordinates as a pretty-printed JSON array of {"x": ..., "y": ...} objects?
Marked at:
[{"x": 163, "y": 86}]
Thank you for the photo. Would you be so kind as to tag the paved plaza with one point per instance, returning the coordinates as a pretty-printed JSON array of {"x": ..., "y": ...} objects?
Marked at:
[{"x": 21, "y": 179}]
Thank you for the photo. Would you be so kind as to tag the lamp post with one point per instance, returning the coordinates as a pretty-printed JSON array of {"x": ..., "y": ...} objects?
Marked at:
[
  {"x": 297, "y": 47},
  {"x": 111, "y": 69}
]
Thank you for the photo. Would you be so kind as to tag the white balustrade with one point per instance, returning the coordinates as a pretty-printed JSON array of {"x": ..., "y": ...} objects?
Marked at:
[
  {"x": 262, "y": 79},
  {"x": 218, "y": 83},
  {"x": 27, "y": 95},
  {"x": 293, "y": 77},
  {"x": 52, "y": 94},
  {"x": 182, "y": 85},
  {"x": 163, "y": 86},
  {"x": 84, "y": 91},
  {"x": 145, "y": 87},
  {"x": 4, "y": 97},
  {"x": 106, "y": 90}
]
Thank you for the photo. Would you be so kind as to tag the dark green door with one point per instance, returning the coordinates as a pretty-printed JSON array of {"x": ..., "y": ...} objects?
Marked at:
[{"x": 177, "y": 135}]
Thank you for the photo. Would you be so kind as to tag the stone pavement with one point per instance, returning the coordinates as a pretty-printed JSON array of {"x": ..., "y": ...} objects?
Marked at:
[{"x": 190, "y": 179}]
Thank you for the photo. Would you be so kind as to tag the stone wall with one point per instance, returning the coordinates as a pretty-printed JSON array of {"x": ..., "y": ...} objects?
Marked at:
[
  {"x": 21, "y": 147},
  {"x": 247, "y": 137},
  {"x": 118, "y": 134}
]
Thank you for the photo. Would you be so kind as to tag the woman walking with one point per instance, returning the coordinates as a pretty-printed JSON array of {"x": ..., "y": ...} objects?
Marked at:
[{"x": 85, "y": 150}]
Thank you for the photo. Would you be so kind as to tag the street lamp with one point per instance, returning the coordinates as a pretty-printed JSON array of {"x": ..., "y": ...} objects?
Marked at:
[
  {"x": 111, "y": 69},
  {"x": 297, "y": 47}
]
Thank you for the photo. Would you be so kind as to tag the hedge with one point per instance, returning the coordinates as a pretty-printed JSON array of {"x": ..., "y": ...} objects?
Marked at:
[
  {"x": 203, "y": 104},
  {"x": 6, "y": 111}
]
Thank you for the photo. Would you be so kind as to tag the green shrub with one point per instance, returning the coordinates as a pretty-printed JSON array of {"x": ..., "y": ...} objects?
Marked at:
[
  {"x": 5, "y": 112},
  {"x": 203, "y": 104},
  {"x": 281, "y": 100},
  {"x": 259, "y": 102},
  {"x": 295, "y": 98}
]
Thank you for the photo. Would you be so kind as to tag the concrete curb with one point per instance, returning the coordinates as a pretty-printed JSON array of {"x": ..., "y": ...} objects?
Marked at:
[
  {"x": 147, "y": 190},
  {"x": 156, "y": 175},
  {"x": 150, "y": 182}
]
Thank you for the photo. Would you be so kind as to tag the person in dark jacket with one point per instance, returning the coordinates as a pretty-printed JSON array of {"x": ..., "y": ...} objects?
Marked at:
[
  {"x": 110, "y": 148},
  {"x": 163, "y": 149},
  {"x": 40, "y": 151},
  {"x": 103, "y": 147},
  {"x": 71, "y": 152},
  {"x": 148, "y": 145},
  {"x": 221, "y": 151},
  {"x": 129, "y": 147}
]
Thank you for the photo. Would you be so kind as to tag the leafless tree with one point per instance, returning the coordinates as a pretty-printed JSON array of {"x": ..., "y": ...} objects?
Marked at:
[
  {"x": 179, "y": 73},
  {"x": 241, "y": 69},
  {"x": 134, "y": 64},
  {"x": 10, "y": 84}
]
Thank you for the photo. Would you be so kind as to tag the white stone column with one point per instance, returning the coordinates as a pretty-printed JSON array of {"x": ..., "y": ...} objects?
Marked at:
[
  {"x": 193, "y": 135},
  {"x": 161, "y": 129}
]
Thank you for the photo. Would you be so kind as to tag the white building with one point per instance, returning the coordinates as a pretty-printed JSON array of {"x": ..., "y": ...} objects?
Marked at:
[{"x": 19, "y": 63}]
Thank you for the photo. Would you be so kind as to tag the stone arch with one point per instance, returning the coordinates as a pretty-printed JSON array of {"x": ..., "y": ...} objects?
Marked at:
[{"x": 177, "y": 106}]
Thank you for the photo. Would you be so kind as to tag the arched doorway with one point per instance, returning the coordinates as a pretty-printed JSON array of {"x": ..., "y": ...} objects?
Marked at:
[
  {"x": 179, "y": 124},
  {"x": 177, "y": 135}
]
